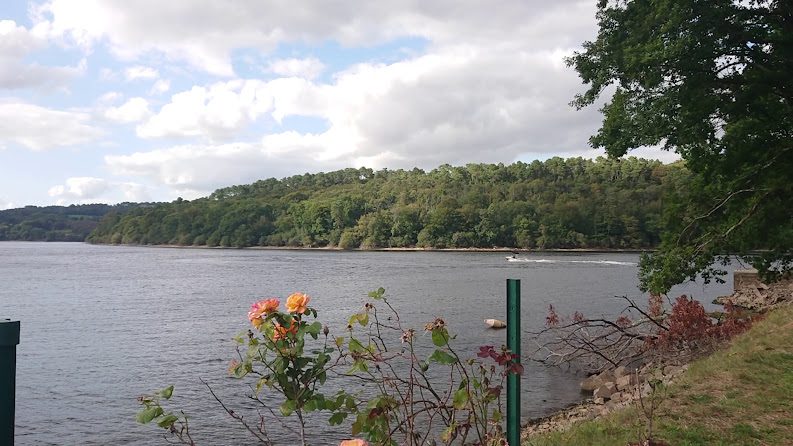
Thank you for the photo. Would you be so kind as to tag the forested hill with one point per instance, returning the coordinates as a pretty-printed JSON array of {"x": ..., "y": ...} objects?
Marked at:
[
  {"x": 56, "y": 223},
  {"x": 573, "y": 203}
]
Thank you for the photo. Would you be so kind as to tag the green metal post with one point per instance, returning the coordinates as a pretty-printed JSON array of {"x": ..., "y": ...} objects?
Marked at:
[
  {"x": 513, "y": 379},
  {"x": 9, "y": 338}
]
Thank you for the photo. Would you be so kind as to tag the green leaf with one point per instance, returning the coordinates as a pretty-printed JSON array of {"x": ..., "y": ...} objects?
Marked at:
[
  {"x": 314, "y": 329},
  {"x": 239, "y": 370},
  {"x": 446, "y": 435},
  {"x": 337, "y": 418},
  {"x": 460, "y": 398},
  {"x": 377, "y": 294},
  {"x": 356, "y": 346},
  {"x": 279, "y": 365},
  {"x": 356, "y": 427},
  {"x": 339, "y": 341},
  {"x": 146, "y": 415},
  {"x": 288, "y": 407},
  {"x": 442, "y": 357},
  {"x": 440, "y": 337},
  {"x": 261, "y": 382},
  {"x": 167, "y": 392},
  {"x": 363, "y": 319},
  {"x": 358, "y": 366},
  {"x": 168, "y": 420}
]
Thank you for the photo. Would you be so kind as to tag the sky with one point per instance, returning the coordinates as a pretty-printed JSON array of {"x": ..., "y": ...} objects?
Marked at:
[{"x": 105, "y": 101}]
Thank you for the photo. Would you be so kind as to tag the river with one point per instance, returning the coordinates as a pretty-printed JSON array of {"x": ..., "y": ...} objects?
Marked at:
[{"x": 104, "y": 324}]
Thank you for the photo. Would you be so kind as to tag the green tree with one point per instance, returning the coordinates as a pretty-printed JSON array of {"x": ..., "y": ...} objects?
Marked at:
[{"x": 711, "y": 81}]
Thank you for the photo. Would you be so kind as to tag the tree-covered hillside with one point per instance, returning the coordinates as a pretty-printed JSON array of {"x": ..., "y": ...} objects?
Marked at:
[
  {"x": 574, "y": 203},
  {"x": 55, "y": 223}
]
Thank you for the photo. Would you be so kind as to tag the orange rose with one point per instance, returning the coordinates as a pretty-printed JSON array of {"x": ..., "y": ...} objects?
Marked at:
[
  {"x": 261, "y": 309},
  {"x": 280, "y": 332},
  {"x": 354, "y": 442},
  {"x": 297, "y": 303}
]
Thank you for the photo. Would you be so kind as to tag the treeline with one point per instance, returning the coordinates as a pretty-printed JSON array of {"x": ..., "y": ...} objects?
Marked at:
[
  {"x": 55, "y": 223},
  {"x": 573, "y": 203}
]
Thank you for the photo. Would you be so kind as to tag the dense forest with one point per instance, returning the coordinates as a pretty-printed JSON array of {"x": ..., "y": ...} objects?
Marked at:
[
  {"x": 55, "y": 223},
  {"x": 573, "y": 203}
]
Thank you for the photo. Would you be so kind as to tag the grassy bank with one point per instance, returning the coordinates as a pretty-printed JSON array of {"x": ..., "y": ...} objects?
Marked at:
[{"x": 742, "y": 395}]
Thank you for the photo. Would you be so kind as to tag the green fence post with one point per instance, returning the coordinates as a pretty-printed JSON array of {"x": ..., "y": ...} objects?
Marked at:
[
  {"x": 513, "y": 379},
  {"x": 9, "y": 338}
]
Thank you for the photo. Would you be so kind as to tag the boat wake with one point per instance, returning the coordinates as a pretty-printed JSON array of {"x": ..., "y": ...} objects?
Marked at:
[{"x": 596, "y": 262}]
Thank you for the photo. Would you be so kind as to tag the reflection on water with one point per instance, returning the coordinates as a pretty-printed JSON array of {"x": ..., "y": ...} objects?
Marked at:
[{"x": 103, "y": 324}]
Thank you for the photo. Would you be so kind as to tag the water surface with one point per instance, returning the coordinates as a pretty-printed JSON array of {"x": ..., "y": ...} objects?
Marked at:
[{"x": 104, "y": 324}]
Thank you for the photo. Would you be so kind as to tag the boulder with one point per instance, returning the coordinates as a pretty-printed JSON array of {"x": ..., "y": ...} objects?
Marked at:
[
  {"x": 591, "y": 383},
  {"x": 625, "y": 382},
  {"x": 607, "y": 376},
  {"x": 605, "y": 391},
  {"x": 620, "y": 372}
]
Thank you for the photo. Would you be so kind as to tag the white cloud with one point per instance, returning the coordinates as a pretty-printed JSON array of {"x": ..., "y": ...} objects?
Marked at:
[
  {"x": 39, "y": 128},
  {"x": 79, "y": 188},
  {"x": 308, "y": 68},
  {"x": 110, "y": 97},
  {"x": 4, "y": 204},
  {"x": 458, "y": 104},
  {"x": 487, "y": 84},
  {"x": 140, "y": 72},
  {"x": 160, "y": 87},
  {"x": 192, "y": 167},
  {"x": 134, "y": 192},
  {"x": 204, "y": 33},
  {"x": 16, "y": 42},
  {"x": 97, "y": 190},
  {"x": 134, "y": 110},
  {"x": 220, "y": 111}
]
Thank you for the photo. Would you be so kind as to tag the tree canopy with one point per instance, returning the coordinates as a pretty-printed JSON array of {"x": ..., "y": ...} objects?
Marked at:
[
  {"x": 573, "y": 203},
  {"x": 710, "y": 80},
  {"x": 56, "y": 223}
]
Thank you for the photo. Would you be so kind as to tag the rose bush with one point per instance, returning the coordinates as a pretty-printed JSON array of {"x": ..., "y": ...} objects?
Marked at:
[{"x": 439, "y": 398}]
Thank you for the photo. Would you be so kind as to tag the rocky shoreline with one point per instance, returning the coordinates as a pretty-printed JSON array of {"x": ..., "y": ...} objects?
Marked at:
[
  {"x": 621, "y": 387},
  {"x": 609, "y": 390}
]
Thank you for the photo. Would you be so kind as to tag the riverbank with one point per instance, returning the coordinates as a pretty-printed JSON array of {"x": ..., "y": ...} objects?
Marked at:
[
  {"x": 742, "y": 394},
  {"x": 406, "y": 249}
]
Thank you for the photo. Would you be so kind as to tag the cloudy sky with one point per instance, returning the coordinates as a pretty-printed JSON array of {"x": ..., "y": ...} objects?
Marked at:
[{"x": 117, "y": 100}]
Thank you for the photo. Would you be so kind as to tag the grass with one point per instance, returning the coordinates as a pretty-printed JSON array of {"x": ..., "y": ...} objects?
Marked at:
[{"x": 741, "y": 395}]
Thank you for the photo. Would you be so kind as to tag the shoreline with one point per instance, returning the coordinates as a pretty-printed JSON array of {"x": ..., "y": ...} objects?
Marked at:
[{"x": 404, "y": 249}]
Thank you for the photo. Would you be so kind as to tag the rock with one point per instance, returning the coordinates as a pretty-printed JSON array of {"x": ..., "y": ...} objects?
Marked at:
[
  {"x": 625, "y": 382},
  {"x": 591, "y": 383},
  {"x": 750, "y": 292},
  {"x": 620, "y": 372},
  {"x": 672, "y": 370},
  {"x": 616, "y": 397},
  {"x": 599, "y": 401},
  {"x": 605, "y": 391},
  {"x": 607, "y": 376}
]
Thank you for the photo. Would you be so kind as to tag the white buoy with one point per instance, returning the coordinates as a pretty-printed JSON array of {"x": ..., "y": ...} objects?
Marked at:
[{"x": 495, "y": 323}]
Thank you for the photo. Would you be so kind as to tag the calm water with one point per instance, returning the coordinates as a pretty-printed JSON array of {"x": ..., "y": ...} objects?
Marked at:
[{"x": 104, "y": 324}]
